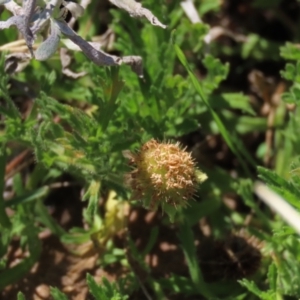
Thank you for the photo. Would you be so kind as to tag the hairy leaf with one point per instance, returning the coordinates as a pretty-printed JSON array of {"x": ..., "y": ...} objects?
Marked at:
[
  {"x": 97, "y": 56},
  {"x": 135, "y": 10},
  {"x": 50, "y": 45}
]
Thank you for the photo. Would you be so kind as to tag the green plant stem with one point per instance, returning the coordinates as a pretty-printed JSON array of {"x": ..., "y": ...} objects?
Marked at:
[{"x": 187, "y": 242}]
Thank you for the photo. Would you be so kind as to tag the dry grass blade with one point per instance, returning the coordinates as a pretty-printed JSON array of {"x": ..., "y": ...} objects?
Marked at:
[{"x": 279, "y": 204}]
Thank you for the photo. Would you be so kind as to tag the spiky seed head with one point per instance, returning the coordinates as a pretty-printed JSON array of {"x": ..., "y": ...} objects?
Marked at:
[
  {"x": 165, "y": 175},
  {"x": 236, "y": 257}
]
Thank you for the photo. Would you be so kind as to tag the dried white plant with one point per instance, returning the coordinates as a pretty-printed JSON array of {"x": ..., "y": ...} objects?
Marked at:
[{"x": 47, "y": 18}]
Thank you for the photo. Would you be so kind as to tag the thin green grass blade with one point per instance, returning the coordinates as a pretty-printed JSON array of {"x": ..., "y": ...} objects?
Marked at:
[
  {"x": 28, "y": 197},
  {"x": 229, "y": 139},
  {"x": 48, "y": 221},
  {"x": 151, "y": 241}
]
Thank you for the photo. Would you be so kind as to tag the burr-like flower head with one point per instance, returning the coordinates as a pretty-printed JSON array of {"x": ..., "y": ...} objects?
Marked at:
[{"x": 165, "y": 175}]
